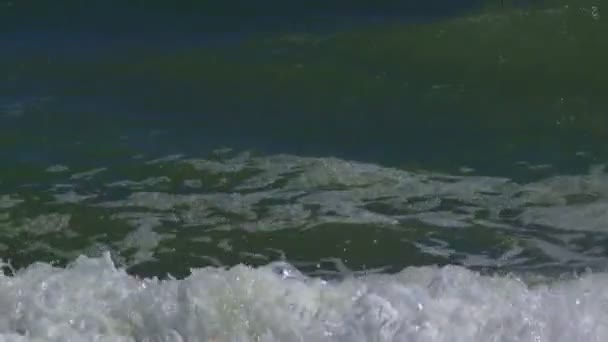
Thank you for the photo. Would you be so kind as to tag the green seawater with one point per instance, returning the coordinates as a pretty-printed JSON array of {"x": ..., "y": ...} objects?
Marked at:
[{"x": 339, "y": 144}]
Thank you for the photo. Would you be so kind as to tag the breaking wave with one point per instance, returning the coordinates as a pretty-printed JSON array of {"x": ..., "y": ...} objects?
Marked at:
[{"x": 92, "y": 300}]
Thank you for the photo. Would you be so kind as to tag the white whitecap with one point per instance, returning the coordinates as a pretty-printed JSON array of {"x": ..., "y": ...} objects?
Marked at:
[{"x": 93, "y": 300}]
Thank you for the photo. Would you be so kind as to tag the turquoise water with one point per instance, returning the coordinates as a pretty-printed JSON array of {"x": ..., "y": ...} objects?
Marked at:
[{"x": 229, "y": 172}]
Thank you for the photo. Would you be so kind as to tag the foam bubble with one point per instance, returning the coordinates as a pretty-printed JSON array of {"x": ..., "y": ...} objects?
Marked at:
[
  {"x": 57, "y": 168},
  {"x": 7, "y": 201},
  {"x": 41, "y": 225},
  {"x": 88, "y": 174}
]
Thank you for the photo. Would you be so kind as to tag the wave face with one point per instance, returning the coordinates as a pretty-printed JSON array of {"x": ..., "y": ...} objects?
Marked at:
[
  {"x": 92, "y": 300},
  {"x": 512, "y": 83}
]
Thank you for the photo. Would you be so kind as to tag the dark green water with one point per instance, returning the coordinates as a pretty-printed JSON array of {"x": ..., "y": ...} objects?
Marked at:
[{"x": 360, "y": 137}]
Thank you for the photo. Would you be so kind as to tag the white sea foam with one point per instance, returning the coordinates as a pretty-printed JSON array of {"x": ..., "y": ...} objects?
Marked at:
[
  {"x": 92, "y": 300},
  {"x": 7, "y": 201},
  {"x": 341, "y": 189},
  {"x": 282, "y": 192}
]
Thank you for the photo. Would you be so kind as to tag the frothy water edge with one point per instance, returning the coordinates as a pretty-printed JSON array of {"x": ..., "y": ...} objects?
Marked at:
[{"x": 92, "y": 300}]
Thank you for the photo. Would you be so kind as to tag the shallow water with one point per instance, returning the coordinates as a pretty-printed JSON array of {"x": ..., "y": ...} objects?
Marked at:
[{"x": 403, "y": 171}]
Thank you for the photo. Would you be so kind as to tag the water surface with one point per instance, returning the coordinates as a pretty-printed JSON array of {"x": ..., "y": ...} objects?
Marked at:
[{"x": 229, "y": 172}]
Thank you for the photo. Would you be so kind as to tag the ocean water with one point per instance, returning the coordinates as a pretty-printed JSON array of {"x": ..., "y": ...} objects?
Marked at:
[{"x": 323, "y": 171}]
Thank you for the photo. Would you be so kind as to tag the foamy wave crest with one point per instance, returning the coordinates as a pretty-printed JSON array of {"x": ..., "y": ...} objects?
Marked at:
[{"x": 92, "y": 300}]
